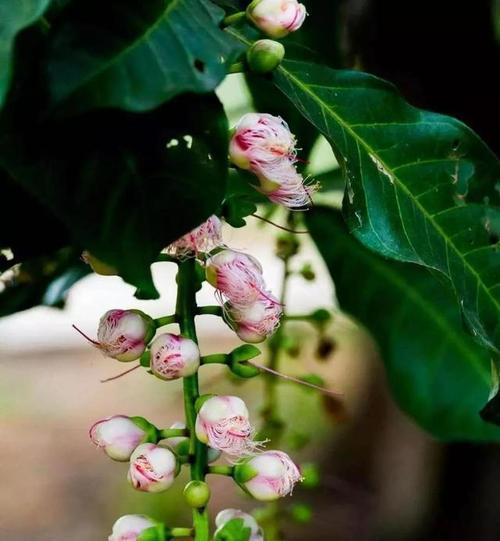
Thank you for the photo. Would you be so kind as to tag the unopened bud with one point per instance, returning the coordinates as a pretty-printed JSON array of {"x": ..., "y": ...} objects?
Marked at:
[
  {"x": 267, "y": 476},
  {"x": 152, "y": 468},
  {"x": 197, "y": 494},
  {"x": 227, "y": 515},
  {"x": 119, "y": 435},
  {"x": 129, "y": 527},
  {"x": 265, "y": 55},
  {"x": 277, "y": 18},
  {"x": 174, "y": 357}
]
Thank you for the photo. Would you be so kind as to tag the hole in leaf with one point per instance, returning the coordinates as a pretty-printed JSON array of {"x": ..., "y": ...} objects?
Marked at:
[{"x": 199, "y": 65}]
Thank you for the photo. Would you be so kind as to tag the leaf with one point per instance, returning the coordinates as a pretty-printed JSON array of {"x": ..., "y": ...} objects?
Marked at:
[
  {"x": 44, "y": 280},
  {"x": 408, "y": 174},
  {"x": 439, "y": 375},
  {"x": 241, "y": 198},
  {"x": 233, "y": 530},
  {"x": 14, "y": 16},
  {"x": 135, "y": 55},
  {"x": 124, "y": 185}
]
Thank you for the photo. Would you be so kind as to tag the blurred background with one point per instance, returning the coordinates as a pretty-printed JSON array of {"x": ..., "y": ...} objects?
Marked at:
[{"x": 382, "y": 478}]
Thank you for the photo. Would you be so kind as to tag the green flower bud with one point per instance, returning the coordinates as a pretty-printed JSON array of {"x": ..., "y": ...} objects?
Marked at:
[
  {"x": 265, "y": 55},
  {"x": 197, "y": 494}
]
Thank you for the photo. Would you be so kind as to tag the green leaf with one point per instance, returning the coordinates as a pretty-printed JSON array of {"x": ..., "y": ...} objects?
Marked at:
[
  {"x": 14, "y": 16},
  {"x": 439, "y": 375},
  {"x": 44, "y": 280},
  {"x": 234, "y": 530},
  {"x": 241, "y": 198},
  {"x": 135, "y": 55},
  {"x": 409, "y": 173},
  {"x": 124, "y": 185}
]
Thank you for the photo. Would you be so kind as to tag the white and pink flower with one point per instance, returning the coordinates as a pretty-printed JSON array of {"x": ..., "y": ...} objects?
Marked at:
[
  {"x": 237, "y": 276},
  {"x": 152, "y": 468},
  {"x": 257, "y": 321},
  {"x": 129, "y": 527},
  {"x": 223, "y": 423},
  {"x": 173, "y": 356},
  {"x": 117, "y": 436},
  {"x": 268, "y": 476},
  {"x": 227, "y": 515},
  {"x": 123, "y": 334},
  {"x": 277, "y": 18},
  {"x": 202, "y": 239},
  {"x": 261, "y": 140}
]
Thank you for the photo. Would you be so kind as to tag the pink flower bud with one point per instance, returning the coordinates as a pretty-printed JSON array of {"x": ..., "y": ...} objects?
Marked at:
[
  {"x": 124, "y": 334},
  {"x": 277, "y": 18},
  {"x": 174, "y": 357},
  {"x": 284, "y": 185},
  {"x": 223, "y": 423},
  {"x": 204, "y": 238},
  {"x": 268, "y": 476},
  {"x": 261, "y": 140},
  {"x": 152, "y": 468},
  {"x": 226, "y": 515},
  {"x": 257, "y": 321},
  {"x": 118, "y": 436},
  {"x": 128, "y": 527},
  {"x": 235, "y": 275}
]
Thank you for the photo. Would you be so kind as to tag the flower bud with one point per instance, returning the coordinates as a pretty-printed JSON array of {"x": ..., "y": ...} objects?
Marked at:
[
  {"x": 174, "y": 357},
  {"x": 226, "y": 515},
  {"x": 261, "y": 140},
  {"x": 203, "y": 239},
  {"x": 98, "y": 266},
  {"x": 265, "y": 55},
  {"x": 180, "y": 444},
  {"x": 277, "y": 18},
  {"x": 268, "y": 476},
  {"x": 119, "y": 435},
  {"x": 223, "y": 424},
  {"x": 152, "y": 468},
  {"x": 235, "y": 275},
  {"x": 129, "y": 527},
  {"x": 124, "y": 334},
  {"x": 256, "y": 322},
  {"x": 197, "y": 494}
]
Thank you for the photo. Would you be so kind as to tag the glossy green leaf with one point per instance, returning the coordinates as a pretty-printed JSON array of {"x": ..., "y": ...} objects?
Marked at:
[
  {"x": 136, "y": 55},
  {"x": 438, "y": 374},
  {"x": 409, "y": 175},
  {"x": 14, "y": 16}
]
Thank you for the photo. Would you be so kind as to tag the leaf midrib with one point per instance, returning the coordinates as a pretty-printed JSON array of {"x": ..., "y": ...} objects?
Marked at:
[
  {"x": 116, "y": 58},
  {"x": 401, "y": 186}
]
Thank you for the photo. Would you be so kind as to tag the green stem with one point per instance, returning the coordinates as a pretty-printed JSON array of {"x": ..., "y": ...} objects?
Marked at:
[
  {"x": 216, "y": 358},
  {"x": 237, "y": 67},
  {"x": 181, "y": 532},
  {"x": 174, "y": 433},
  {"x": 221, "y": 470},
  {"x": 235, "y": 18},
  {"x": 186, "y": 311},
  {"x": 165, "y": 320},
  {"x": 210, "y": 311}
]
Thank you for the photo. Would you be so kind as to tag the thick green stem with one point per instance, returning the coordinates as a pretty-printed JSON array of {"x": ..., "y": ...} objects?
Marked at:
[
  {"x": 210, "y": 311},
  {"x": 174, "y": 433},
  {"x": 165, "y": 320},
  {"x": 235, "y": 18},
  {"x": 186, "y": 311},
  {"x": 181, "y": 532},
  {"x": 221, "y": 470}
]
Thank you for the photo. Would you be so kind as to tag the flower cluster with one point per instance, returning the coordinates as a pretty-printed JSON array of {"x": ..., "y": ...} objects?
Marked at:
[
  {"x": 250, "y": 309},
  {"x": 264, "y": 145}
]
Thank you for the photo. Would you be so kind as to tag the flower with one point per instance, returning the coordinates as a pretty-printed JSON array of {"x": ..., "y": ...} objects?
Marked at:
[
  {"x": 124, "y": 334},
  {"x": 226, "y": 515},
  {"x": 261, "y": 140},
  {"x": 223, "y": 423},
  {"x": 174, "y": 357},
  {"x": 152, "y": 468},
  {"x": 180, "y": 444},
  {"x": 119, "y": 435},
  {"x": 277, "y": 18},
  {"x": 235, "y": 275},
  {"x": 204, "y": 238},
  {"x": 128, "y": 527},
  {"x": 268, "y": 476},
  {"x": 257, "y": 321}
]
